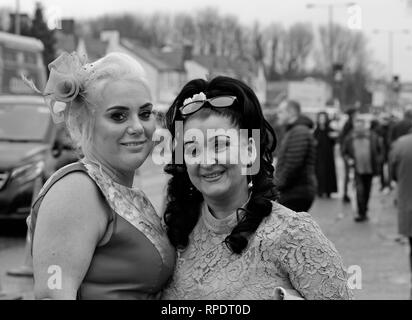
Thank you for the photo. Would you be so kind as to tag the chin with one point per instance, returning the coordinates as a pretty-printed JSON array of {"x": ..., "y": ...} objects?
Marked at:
[
  {"x": 215, "y": 191},
  {"x": 135, "y": 163}
]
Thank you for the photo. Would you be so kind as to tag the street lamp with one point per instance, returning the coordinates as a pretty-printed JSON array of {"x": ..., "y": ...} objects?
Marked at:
[
  {"x": 332, "y": 72},
  {"x": 17, "y": 18},
  {"x": 390, "y": 44},
  {"x": 330, "y": 7}
]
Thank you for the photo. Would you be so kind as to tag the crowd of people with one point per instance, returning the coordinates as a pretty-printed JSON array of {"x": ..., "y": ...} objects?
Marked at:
[
  {"x": 377, "y": 146},
  {"x": 309, "y": 150}
]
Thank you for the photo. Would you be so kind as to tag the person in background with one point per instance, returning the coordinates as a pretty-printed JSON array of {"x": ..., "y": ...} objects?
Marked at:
[
  {"x": 401, "y": 172},
  {"x": 378, "y": 128},
  {"x": 346, "y": 130},
  {"x": 325, "y": 156},
  {"x": 362, "y": 150},
  {"x": 403, "y": 126},
  {"x": 295, "y": 168}
]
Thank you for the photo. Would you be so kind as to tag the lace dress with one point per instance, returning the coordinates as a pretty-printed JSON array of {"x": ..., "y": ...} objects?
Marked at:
[{"x": 288, "y": 250}]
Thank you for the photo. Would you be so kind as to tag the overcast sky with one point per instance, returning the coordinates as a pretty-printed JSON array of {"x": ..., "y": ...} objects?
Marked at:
[{"x": 376, "y": 14}]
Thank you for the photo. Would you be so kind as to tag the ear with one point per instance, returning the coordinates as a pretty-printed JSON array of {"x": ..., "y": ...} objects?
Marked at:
[{"x": 252, "y": 153}]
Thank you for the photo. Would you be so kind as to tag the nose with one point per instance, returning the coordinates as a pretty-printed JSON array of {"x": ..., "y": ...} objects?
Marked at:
[
  {"x": 210, "y": 158},
  {"x": 135, "y": 126}
]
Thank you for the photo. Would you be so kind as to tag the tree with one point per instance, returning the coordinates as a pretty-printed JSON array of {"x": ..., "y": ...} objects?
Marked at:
[
  {"x": 298, "y": 45},
  {"x": 350, "y": 50},
  {"x": 159, "y": 27},
  {"x": 40, "y": 30},
  {"x": 209, "y": 26},
  {"x": 229, "y": 29},
  {"x": 272, "y": 37},
  {"x": 185, "y": 29}
]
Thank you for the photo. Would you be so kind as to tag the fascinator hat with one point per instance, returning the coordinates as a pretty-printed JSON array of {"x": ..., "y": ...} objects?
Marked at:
[{"x": 68, "y": 74}]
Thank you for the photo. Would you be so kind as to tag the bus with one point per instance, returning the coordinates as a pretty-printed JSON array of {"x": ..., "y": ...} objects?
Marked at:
[{"x": 20, "y": 55}]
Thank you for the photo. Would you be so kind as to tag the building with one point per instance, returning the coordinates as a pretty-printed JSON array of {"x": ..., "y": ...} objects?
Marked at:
[{"x": 168, "y": 69}]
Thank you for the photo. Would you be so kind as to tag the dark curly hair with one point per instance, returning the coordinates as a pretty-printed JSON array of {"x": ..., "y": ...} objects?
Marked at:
[{"x": 184, "y": 200}]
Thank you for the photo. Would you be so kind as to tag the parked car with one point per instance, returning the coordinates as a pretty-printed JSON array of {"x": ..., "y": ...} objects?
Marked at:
[{"x": 28, "y": 154}]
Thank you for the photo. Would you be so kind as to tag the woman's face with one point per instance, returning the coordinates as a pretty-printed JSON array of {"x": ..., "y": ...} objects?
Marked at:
[
  {"x": 219, "y": 173},
  {"x": 124, "y": 125}
]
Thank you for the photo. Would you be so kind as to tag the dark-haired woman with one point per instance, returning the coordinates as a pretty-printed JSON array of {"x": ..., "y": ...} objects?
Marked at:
[
  {"x": 325, "y": 156},
  {"x": 234, "y": 240}
]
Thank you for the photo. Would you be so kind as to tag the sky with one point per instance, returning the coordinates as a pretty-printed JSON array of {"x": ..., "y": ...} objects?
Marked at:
[{"x": 382, "y": 15}]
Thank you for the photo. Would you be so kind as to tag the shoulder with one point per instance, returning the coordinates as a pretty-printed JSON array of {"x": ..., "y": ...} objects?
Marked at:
[
  {"x": 286, "y": 227},
  {"x": 404, "y": 140},
  {"x": 301, "y": 129},
  {"x": 75, "y": 198},
  {"x": 402, "y": 144}
]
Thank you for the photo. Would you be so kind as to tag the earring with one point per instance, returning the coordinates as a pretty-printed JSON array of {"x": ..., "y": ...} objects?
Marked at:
[
  {"x": 250, "y": 184},
  {"x": 191, "y": 191}
]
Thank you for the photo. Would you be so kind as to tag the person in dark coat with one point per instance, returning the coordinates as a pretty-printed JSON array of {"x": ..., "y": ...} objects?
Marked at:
[
  {"x": 295, "y": 169},
  {"x": 325, "y": 138},
  {"x": 401, "y": 172},
  {"x": 362, "y": 149},
  {"x": 346, "y": 130},
  {"x": 380, "y": 131},
  {"x": 402, "y": 127}
]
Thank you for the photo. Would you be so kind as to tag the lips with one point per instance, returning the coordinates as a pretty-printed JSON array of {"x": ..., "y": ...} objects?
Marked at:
[
  {"x": 212, "y": 176},
  {"x": 133, "y": 143}
]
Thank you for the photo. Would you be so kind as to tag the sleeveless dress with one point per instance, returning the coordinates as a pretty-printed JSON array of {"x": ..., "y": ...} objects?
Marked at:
[
  {"x": 135, "y": 258},
  {"x": 288, "y": 250}
]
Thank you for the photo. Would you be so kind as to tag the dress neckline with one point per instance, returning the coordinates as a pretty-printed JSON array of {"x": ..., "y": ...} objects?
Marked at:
[
  {"x": 99, "y": 168},
  {"x": 224, "y": 225}
]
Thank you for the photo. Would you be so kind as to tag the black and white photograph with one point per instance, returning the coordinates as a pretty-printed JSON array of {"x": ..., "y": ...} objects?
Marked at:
[{"x": 212, "y": 151}]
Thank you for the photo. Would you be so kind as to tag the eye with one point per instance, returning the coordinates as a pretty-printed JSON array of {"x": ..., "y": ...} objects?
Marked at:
[
  {"x": 118, "y": 116},
  {"x": 145, "y": 115},
  {"x": 192, "y": 150},
  {"x": 221, "y": 144}
]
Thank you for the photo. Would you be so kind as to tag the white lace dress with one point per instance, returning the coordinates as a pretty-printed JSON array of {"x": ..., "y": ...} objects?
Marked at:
[{"x": 288, "y": 250}]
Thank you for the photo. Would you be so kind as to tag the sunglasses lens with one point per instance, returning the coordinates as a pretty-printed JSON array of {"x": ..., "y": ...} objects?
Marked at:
[
  {"x": 192, "y": 107},
  {"x": 222, "y": 101}
]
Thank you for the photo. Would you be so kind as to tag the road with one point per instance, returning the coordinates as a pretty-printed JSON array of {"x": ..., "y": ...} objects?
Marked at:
[{"x": 372, "y": 246}]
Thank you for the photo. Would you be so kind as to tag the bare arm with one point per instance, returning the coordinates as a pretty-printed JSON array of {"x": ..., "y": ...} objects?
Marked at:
[{"x": 71, "y": 221}]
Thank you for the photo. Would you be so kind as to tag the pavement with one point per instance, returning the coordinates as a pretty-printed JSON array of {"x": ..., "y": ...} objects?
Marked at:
[{"x": 374, "y": 246}]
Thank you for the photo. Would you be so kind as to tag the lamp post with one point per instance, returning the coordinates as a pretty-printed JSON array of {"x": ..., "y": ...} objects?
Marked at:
[
  {"x": 393, "y": 90},
  {"x": 17, "y": 18},
  {"x": 390, "y": 34},
  {"x": 330, "y": 7}
]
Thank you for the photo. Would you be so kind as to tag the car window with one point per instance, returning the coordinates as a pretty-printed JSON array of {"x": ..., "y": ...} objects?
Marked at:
[{"x": 24, "y": 122}]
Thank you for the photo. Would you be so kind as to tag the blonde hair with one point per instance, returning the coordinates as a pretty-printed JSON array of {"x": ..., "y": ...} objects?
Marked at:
[{"x": 80, "y": 116}]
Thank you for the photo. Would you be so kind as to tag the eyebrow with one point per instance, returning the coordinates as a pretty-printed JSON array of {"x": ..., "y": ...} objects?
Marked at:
[
  {"x": 190, "y": 141},
  {"x": 218, "y": 136},
  {"x": 144, "y": 106}
]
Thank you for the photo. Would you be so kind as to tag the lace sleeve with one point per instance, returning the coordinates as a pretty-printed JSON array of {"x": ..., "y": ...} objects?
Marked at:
[{"x": 314, "y": 266}]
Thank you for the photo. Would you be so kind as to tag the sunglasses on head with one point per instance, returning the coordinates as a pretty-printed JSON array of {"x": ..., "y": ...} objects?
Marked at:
[{"x": 216, "y": 102}]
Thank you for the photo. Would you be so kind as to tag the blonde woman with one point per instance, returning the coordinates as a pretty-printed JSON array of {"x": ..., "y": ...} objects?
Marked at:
[{"x": 96, "y": 235}]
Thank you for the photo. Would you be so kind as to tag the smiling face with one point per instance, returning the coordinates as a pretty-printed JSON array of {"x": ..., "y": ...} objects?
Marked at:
[
  {"x": 124, "y": 125},
  {"x": 219, "y": 177}
]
